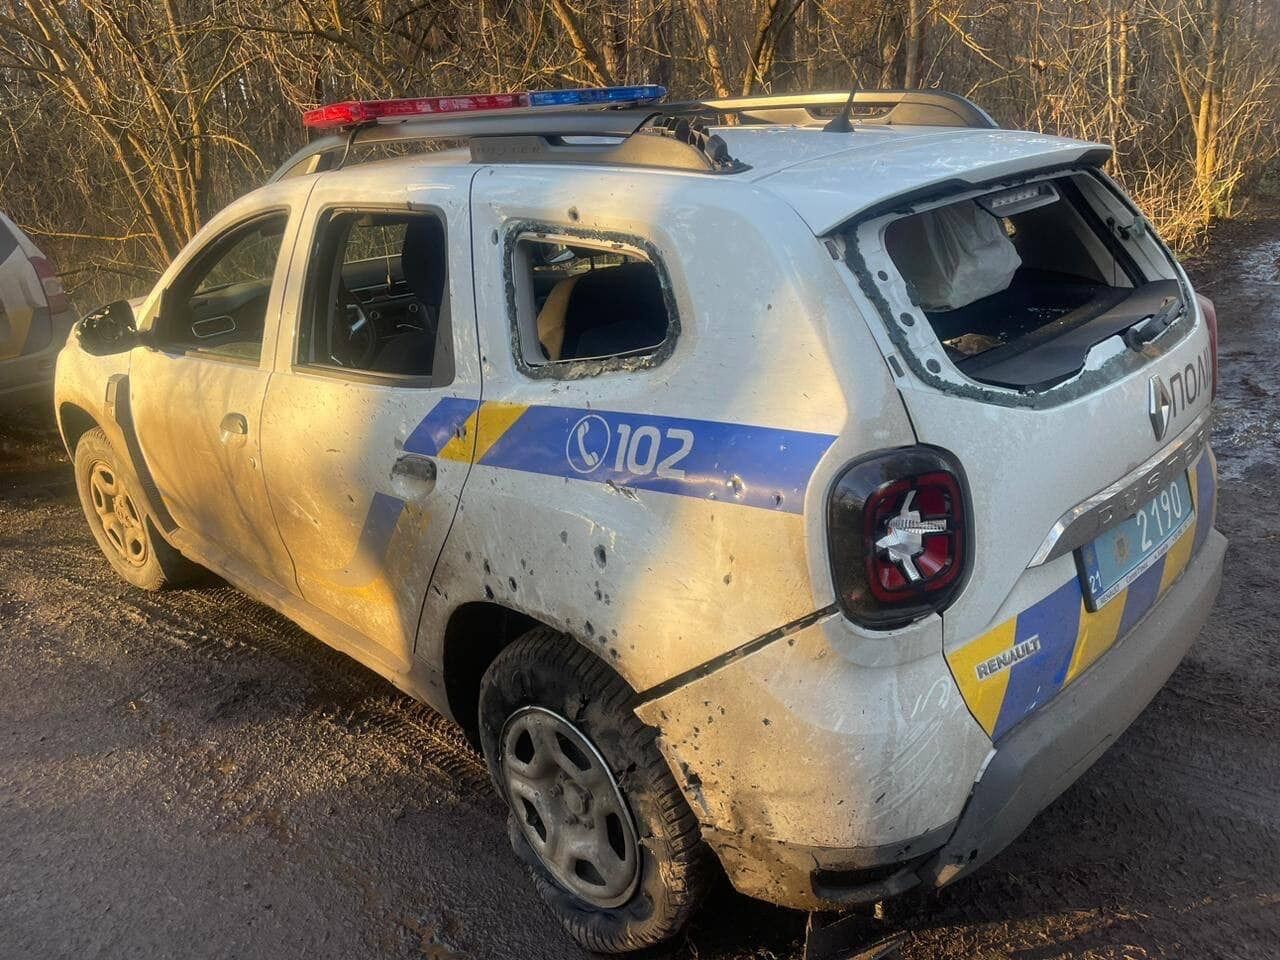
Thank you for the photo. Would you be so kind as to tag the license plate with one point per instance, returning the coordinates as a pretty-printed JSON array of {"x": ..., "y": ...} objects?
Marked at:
[{"x": 1128, "y": 550}]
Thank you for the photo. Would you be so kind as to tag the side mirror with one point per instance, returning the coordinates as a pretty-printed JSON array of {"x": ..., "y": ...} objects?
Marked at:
[{"x": 107, "y": 330}]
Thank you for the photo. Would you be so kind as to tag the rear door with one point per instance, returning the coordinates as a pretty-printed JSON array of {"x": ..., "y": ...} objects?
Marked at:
[
  {"x": 367, "y": 427},
  {"x": 1025, "y": 624}
]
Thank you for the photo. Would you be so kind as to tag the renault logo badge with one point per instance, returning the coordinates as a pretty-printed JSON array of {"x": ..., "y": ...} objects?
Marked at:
[{"x": 1159, "y": 406}]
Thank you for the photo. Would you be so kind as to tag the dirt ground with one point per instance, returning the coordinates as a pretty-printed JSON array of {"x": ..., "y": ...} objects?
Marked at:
[{"x": 189, "y": 775}]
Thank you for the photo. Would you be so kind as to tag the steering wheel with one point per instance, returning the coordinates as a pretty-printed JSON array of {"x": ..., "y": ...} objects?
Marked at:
[{"x": 353, "y": 338}]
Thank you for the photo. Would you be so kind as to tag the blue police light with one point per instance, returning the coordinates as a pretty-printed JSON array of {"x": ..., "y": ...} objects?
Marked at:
[{"x": 643, "y": 93}]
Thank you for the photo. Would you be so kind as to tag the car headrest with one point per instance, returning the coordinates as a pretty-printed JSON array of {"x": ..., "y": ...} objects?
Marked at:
[{"x": 424, "y": 260}]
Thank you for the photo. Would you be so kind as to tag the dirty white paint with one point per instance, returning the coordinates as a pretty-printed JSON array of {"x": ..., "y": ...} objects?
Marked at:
[
  {"x": 778, "y": 345},
  {"x": 800, "y": 744},
  {"x": 831, "y": 736}
]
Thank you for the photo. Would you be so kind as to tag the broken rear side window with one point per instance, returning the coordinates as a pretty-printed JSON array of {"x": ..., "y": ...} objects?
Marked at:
[
  {"x": 580, "y": 302},
  {"x": 1020, "y": 284}
]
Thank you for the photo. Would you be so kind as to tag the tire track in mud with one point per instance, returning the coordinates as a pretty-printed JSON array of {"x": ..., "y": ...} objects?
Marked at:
[
  {"x": 217, "y": 623},
  {"x": 238, "y": 727}
]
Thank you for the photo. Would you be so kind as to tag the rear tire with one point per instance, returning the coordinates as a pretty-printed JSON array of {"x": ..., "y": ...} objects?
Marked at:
[
  {"x": 580, "y": 772},
  {"x": 125, "y": 532}
]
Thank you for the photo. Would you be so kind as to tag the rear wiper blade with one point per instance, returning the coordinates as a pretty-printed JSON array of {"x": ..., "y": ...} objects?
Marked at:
[{"x": 1142, "y": 333}]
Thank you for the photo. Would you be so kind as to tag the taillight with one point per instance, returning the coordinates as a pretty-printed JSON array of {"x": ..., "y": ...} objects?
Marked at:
[
  {"x": 898, "y": 530},
  {"x": 54, "y": 295},
  {"x": 1210, "y": 313}
]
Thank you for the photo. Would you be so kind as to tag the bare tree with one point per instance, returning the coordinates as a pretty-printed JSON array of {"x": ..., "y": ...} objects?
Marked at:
[{"x": 128, "y": 122}]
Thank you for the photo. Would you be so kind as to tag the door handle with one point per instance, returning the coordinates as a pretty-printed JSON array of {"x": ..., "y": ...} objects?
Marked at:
[
  {"x": 414, "y": 466},
  {"x": 234, "y": 427}
]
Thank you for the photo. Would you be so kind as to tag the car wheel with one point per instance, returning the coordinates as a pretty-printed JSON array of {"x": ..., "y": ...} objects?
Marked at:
[
  {"x": 124, "y": 531},
  {"x": 594, "y": 812}
]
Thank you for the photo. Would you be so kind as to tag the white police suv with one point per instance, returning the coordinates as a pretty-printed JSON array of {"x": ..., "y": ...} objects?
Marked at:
[{"x": 816, "y": 482}]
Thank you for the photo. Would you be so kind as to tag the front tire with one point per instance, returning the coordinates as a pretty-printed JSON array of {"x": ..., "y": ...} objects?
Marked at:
[
  {"x": 595, "y": 814},
  {"x": 125, "y": 532}
]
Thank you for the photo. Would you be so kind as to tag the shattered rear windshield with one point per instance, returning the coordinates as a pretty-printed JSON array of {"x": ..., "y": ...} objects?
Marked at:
[{"x": 1019, "y": 285}]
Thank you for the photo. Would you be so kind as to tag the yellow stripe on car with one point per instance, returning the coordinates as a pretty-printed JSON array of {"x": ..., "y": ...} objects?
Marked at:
[
  {"x": 1097, "y": 633},
  {"x": 495, "y": 420},
  {"x": 984, "y": 696}
]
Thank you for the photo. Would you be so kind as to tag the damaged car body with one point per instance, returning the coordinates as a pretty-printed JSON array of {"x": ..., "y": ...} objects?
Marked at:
[{"x": 820, "y": 501}]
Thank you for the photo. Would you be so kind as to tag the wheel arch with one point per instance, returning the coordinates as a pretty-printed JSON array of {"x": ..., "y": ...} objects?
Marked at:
[
  {"x": 474, "y": 635},
  {"x": 476, "y": 632},
  {"x": 74, "y": 421}
]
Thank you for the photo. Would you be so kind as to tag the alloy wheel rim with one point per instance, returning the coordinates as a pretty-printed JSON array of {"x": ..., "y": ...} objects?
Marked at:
[
  {"x": 118, "y": 517},
  {"x": 569, "y": 807}
]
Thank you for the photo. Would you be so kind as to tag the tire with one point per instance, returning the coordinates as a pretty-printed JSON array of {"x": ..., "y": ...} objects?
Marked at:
[
  {"x": 126, "y": 534},
  {"x": 545, "y": 688}
]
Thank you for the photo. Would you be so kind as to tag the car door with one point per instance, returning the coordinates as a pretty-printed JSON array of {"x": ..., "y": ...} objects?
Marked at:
[
  {"x": 196, "y": 389},
  {"x": 367, "y": 426}
]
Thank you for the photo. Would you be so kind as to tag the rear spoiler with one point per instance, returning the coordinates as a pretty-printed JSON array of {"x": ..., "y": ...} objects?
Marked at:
[{"x": 814, "y": 188}]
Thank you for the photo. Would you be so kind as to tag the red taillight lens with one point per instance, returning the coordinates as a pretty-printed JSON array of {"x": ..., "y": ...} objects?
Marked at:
[
  {"x": 898, "y": 534},
  {"x": 54, "y": 295},
  {"x": 1210, "y": 313}
]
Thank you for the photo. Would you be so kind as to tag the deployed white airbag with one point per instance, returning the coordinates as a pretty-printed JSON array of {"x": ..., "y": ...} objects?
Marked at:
[{"x": 952, "y": 256}]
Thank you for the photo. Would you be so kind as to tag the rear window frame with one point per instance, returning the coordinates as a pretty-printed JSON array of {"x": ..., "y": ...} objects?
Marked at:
[
  {"x": 930, "y": 365},
  {"x": 606, "y": 241}
]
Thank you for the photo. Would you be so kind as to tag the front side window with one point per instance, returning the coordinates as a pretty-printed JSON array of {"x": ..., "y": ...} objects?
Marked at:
[
  {"x": 218, "y": 305},
  {"x": 377, "y": 299},
  {"x": 577, "y": 301}
]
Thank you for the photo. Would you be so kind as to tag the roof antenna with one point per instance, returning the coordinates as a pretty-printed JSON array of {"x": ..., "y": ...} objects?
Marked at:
[{"x": 840, "y": 122}]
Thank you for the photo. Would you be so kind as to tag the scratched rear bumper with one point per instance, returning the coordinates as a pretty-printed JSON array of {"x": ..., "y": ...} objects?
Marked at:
[
  {"x": 822, "y": 782},
  {"x": 1048, "y": 752},
  {"x": 823, "y": 762}
]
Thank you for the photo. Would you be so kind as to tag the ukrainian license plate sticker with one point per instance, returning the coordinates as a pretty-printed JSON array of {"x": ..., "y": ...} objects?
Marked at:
[{"x": 1128, "y": 550}]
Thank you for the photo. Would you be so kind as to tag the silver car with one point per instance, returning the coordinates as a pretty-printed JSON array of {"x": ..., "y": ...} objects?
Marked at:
[{"x": 35, "y": 317}]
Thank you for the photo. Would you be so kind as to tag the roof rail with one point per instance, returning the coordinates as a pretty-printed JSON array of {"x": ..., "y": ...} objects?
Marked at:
[
  {"x": 669, "y": 143},
  {"x": 330, "y": 151},
  {"x": 536, "y": 136},
  {"x": 925, "y": 108}
]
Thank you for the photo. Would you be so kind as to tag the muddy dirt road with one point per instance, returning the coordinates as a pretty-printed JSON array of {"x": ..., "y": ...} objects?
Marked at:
[{"x": 189, "y": 775}]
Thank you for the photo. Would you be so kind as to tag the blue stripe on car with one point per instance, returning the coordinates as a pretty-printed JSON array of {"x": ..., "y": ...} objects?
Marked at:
[
  {"x": 735, "y": 463},
  {"x": 1055, "y": 620},
  {"x": 440, "y": 425}
]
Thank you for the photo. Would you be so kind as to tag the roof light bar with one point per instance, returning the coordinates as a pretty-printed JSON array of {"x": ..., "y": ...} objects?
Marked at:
[
  {"x": 590, "y": 96},
  {"x": 355, "y": 113}
]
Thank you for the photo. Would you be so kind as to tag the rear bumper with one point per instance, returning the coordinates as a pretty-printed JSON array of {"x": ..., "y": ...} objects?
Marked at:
[
  {"x": 1048, "y": 751},
  {"x": 798, "y": 763}
]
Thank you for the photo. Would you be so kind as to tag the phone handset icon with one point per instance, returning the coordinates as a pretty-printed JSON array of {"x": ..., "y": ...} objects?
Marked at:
[
  {"x": 588, "y": 443},
  {"x": 589, "y": 458}
]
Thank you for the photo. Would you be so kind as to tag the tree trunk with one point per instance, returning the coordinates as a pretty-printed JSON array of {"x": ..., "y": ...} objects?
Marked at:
[
  {"x": 714, "y": 64},
  {"x": 892, "y": 36},
  {"x": 1209, "y": 111},
  {"x": 917, "y": 11},
  {"x": 660, "y": 37},
  {"x": 590, "y": 59}
]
